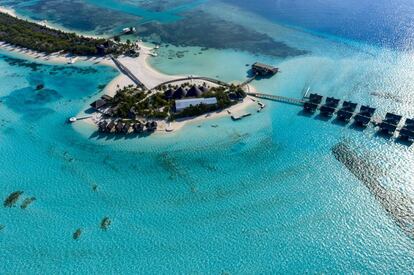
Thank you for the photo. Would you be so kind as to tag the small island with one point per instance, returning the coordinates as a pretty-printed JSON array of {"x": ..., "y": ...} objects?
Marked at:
[
  {"x": 134, "y": 110},
  {"x": 47, "y": 40},
  {"x": 143, "y": 98}
]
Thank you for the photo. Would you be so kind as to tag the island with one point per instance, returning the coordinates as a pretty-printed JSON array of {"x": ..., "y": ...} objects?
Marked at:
[
  {"x": 141, "y": 98},
  {"x": 47, "y": 40}
]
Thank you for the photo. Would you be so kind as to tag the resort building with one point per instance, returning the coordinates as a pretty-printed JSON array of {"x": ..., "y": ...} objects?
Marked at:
[
  {"x": 263, "y": 69},
  {"x": 185, "y": 103}
]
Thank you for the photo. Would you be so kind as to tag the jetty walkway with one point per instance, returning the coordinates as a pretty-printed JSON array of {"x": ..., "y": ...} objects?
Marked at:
[{"x": 278, "y": 98}]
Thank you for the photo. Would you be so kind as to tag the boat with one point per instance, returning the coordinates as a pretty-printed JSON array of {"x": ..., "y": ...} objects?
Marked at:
[
  {"x": 72, "y": 119},
  {"x": 73, "y": 60}
]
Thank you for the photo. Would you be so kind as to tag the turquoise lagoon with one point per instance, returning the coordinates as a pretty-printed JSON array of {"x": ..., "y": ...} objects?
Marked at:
[{"x": 263, "y": 195}]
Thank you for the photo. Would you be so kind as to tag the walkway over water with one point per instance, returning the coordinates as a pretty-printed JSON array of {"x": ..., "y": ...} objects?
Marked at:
[{"x": 278, "y": 98}]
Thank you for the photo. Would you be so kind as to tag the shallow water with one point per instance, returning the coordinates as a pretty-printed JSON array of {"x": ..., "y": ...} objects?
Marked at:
[{"x": 262, "y": 195}]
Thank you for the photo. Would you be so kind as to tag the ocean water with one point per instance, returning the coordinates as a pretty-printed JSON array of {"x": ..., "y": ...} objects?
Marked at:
[{"x": 262, "y": 195}]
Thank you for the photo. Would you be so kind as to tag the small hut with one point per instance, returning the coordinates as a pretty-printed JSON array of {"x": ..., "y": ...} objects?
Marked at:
[
  {"x": 138, "y": 128},
  {"x": 126, "y": 127},
  {"x": 102, "y": 126},
  {"x": 119, "y": 127},
  {"x": 110, "y": 126}
]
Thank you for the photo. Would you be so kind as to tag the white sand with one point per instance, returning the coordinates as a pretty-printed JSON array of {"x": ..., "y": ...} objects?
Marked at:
[{"x": 139, "y": 66}]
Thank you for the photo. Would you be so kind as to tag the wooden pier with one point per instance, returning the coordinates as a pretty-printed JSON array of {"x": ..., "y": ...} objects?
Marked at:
[{"x": 278, "y": 98}]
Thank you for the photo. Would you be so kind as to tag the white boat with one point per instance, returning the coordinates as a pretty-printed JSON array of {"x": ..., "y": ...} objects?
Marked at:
[
  {"x": 169, "y": 128},
  {"x": 153, "y": 54},
  {"x": 72, "y": 119},
  {"x": 73, "y": 60}
]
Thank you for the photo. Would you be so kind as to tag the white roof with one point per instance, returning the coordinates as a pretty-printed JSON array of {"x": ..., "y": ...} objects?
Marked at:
[{"x": 184, "y": 103}]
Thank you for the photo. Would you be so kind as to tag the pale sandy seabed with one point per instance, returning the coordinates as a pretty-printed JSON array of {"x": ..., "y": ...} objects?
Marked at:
[{"x": 138, "y": 66}]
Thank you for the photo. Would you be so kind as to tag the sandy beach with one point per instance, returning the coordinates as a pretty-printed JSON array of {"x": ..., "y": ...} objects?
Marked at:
[{"x": 139, "y": 66}]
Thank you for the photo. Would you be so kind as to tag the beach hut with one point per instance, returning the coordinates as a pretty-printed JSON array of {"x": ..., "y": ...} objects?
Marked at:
[
  {"x": 126, "y": 127},
  {"x": 138, "y": 127},
  {"x": 390, "y": 123},
  {"x": 364, "y": 116},
  {"x": 119, "y": 127},
  {"x": 194, "y": 92},
  {"x": 180, "y": 93},
  {"x": 110, "y": 126},
  {"x": 102, "y": 126},
  {"x": 329, "y": 107}
]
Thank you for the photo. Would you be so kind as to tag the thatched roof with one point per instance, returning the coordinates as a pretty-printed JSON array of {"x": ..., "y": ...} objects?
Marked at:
[
  {"x": 168, "y": 93},
  {"x": 98, "y": 103},
  {"x": 179, "y": 93},
  {"x": 194, "y": 92}
]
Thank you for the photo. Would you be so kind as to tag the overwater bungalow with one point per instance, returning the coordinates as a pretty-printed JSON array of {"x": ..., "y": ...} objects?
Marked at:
[
  {"x": 151, "y": 126},
  {"x": 330, "y": 106},
  {"x": 406, "y": 134},
  {"x": 390, "y": 123},
  {"x": 364, "y": 116},
  {"x": 409, "y": 124},
  {"x": 312, "y": 104},
  {"x": 263, "y": 69},
  {"x": 347, "y": 111},
  {"x": 119, "y": 127}
]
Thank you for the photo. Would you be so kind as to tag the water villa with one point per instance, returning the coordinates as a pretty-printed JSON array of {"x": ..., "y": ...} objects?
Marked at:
[
  {"x": 312, "y": 104},
  {"x": 364, "y": 116},
  {"x": 138, "y": 127},
  {"x": 407, "y": 132},
  {"x": 347, "y": 111},
  {"x": 329, "y": 107},
  {"x": 263, "y": 69},
  {"x": 390, "y": 123}
]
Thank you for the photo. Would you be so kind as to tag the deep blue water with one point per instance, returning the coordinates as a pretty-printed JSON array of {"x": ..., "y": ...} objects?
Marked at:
[{"x": 382, "y": 22}]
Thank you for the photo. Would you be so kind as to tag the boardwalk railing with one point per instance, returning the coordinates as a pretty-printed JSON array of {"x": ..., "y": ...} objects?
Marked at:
[
  {"x": 127, "y": 72},
  {"x": 207, "y": 79},
  {"x": 248, "y": 81},
  {"x": 278, "y": 98}
]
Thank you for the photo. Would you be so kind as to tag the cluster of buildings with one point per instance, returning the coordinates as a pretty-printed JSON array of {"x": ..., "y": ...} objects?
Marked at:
[
  {"x": 118, "y": 125},
  {"x": 183, "y": 92},
  {"x": 127, "y": 127},
  {"x": 348, "y": 111}
]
